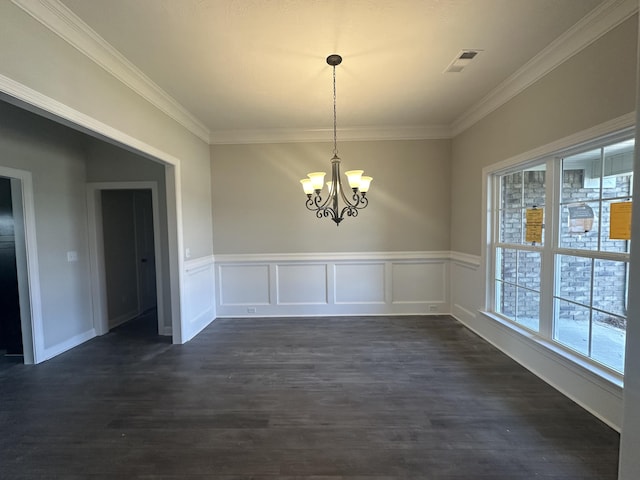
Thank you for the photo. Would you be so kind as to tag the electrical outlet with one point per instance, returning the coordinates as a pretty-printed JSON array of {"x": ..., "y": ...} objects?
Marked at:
[
  {"x": 251, "y": 310},
  {"x": 433, "y": 308}
]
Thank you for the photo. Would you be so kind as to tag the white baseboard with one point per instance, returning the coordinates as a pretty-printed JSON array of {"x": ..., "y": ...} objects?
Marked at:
[{"x": 68, "y": 344}]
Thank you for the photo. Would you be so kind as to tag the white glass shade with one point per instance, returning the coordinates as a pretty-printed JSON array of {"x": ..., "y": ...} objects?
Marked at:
[
  {"x": 365, "y": 182},
  {"x": 329, "y": 186},
  {"x": 307, "y": 186},
  {"x": 354, "y": 177},
  {"x": 317, "y": 179}
]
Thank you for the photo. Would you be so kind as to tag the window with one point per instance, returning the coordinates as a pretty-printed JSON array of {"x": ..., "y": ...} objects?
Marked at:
[
  {"x": 559, "y": 263},
  {"x": 518, "y": 264}
]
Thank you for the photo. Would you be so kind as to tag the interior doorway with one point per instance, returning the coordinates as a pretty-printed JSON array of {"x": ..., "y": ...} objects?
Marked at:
[
  {"x": 20, "y": 312},
  {"x": 125, "y": 255},
  {"x": 10, "y": 324},
  {"x": 127, "y": 228}
]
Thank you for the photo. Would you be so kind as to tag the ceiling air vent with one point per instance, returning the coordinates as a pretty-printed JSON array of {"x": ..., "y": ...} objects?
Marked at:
[{"x": 462, "y": 60}]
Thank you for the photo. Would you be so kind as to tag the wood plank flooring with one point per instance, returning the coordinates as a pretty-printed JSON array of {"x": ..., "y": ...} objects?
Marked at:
[{"x": 364, "y": 398}]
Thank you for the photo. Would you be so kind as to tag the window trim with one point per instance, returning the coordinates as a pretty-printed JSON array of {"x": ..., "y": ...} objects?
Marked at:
[{"x": 612, "y": 131}]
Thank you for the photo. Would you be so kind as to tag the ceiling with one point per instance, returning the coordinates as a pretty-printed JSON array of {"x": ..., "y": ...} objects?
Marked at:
[{"x": 259, "y": 65}]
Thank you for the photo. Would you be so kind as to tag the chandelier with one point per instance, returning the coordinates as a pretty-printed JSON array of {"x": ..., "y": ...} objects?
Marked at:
[{"x": 330, "y": 206}]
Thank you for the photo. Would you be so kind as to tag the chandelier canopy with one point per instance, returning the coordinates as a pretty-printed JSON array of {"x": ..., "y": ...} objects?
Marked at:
[{"x": 330, "y": 205}]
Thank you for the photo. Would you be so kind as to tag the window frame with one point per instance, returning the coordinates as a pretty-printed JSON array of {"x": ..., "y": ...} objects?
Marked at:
[{"x": 550, "y": 251}]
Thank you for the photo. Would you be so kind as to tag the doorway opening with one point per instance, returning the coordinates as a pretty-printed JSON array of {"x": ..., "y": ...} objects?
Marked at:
[
  {"x": 130, "y": 271},
  {"x": 20, "y": 313},
  {"x": 126, "y": 258},
  {"x": 10, "y": 323}
]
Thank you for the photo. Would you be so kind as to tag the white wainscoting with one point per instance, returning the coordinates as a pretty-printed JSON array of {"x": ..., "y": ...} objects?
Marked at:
[
  {"x": 466, "y": 286},
  {"x": 567, "y": 373},
  {"x": 386, "y": 283},
  {"x": 198, "y": 298}
]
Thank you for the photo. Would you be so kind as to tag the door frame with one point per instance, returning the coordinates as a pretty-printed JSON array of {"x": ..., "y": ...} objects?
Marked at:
[
  {"x": 96, "y": 251},
  {"x": 27, "y": 264}
]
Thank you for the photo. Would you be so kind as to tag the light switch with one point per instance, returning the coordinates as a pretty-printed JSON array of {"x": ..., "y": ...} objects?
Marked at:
[
  {"x": 187, "y": 253},
  {"x": 72, "y": 256}
]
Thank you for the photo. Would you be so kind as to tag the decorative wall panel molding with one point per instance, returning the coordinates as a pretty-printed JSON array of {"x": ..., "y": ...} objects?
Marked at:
[
  {"x": 198, "y": 301},
  {"x": 360, "y": 283},
  {"x": 318, "y": 284},
  {"x": 301, "y": 284},
  {"x": 466, "y": 285}
]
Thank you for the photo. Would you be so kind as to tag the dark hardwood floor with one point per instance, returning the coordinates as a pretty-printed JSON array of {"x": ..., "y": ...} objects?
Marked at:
[{"x": 373, "y": 398}]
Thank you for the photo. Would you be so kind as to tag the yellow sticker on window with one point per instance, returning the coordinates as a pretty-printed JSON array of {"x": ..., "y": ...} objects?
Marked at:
[
  {"x": 620, "y": 228},
  {"x": 533, "y": 232}
]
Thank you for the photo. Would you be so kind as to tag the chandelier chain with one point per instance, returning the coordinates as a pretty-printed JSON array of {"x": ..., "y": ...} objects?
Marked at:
[{"x": 335, "y": 137}]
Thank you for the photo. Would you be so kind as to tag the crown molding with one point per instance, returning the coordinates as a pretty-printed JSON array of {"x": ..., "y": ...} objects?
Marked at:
[
  {"x": 63, "y": 22},
  {"x": 68, "y": 26},
  {"x": 593, "y": 26},
  {"x": 293, "y": 135}
]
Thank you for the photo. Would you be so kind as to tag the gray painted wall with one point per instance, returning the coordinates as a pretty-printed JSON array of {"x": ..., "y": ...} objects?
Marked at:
[
  {"x": 55, "y": 156},
  {"x": 258, "y": 202}
]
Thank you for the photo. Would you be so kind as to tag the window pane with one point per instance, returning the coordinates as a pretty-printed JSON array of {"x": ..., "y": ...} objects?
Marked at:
[
  {"x": 608, "y": 341},
  {"x": 579, "y": 226},
  {"x": 529, "y": 269},
  {"x": 606, "y": 244},
  {"x": 574, "y": 279},
  {"x": 534, "y": 188},
  {"x": 571, "y": 326},
  {"x": 618, "y": 169},
  {"x": 506, "y": 299},
  {"x": 511, "y": 225},
  {"x": 528, "y": 309},
  {"x": 506, "y": 267},
  {"x": 618, "y": 186},
  {"x": 511, "y": 191},
  {"x": 581, "y": 175},
  {"x": 610, "y": 287}
]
